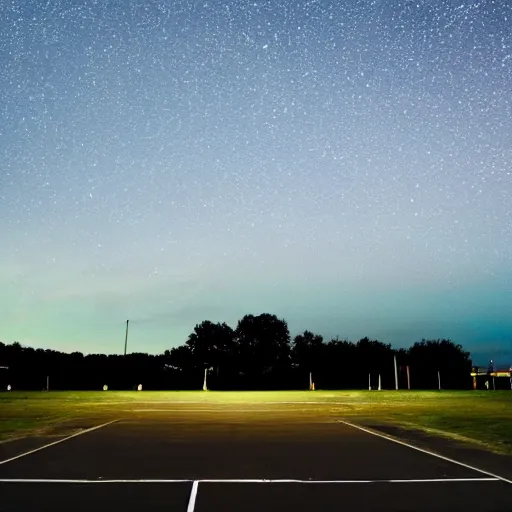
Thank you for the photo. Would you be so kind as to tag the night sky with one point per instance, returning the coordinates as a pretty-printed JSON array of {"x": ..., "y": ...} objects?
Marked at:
[{"x": 345, "y": 165}]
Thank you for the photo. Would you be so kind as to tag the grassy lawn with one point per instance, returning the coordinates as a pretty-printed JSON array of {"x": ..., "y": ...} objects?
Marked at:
[{"x": 481, "y": 417}]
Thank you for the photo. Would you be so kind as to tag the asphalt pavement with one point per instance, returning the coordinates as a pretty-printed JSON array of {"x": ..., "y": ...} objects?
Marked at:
[{"x": 230, "y": 462}]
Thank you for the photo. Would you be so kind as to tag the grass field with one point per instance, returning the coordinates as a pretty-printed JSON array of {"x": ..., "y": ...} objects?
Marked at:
[{"x": 484, "y": 418}]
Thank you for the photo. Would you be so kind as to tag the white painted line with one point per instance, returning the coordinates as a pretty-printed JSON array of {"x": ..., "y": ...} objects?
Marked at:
[
  {"x": 78, "y": 481},
  {"x": 57, "y": 442},
  {"x": 440, "y": 480},
  {"x": 244, "y": 481},
  {"x": 295, "y": 481},
  {"x": 10, "y": 440},
  {"x": 315, "y": 402},
  {"x": 193, "y": 496},
  {"x": 220, "y": 411},
  {"x": 244, "y": 402},
  {"x": 428, "y": 452}
]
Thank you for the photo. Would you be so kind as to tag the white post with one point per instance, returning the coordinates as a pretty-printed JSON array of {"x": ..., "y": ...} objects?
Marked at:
[
  {"x": 47, "y": 383},
  {"x": 369, "y": 382},
  {"x": 396, "y": 375},
  {"x": 205, "y": 388},
  {"x": 310, "y": 381},
  {"x": 439, "y": 379},
  {"x": 380, "y": 387},
  {"x": 408, "y": 379}
]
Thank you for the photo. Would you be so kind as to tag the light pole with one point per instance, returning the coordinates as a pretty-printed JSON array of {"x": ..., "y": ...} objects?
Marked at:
[{"x": 126, "y": 337}]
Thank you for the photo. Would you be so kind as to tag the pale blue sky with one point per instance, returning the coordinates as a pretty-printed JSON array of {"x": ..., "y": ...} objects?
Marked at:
[{"x": 344, "y": 165}]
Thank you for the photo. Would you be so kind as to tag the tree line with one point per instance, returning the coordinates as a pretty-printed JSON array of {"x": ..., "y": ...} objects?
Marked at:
[{"x": 259, "y": 354}]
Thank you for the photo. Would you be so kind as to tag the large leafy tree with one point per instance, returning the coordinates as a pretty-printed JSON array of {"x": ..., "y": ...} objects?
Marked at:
[
  {"x": 340, "y": 365},
  {"x": 308, "y": 350},
  {"x": 211, "y": 345},
  {"x": 374, "y": 354},
  {"x": 179, "y": 358},
  {"x": 263, "y": 344},
  {"x": 427, "y": 357}
]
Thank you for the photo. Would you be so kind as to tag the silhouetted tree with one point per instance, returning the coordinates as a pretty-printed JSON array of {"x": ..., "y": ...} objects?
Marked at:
[
  {"x": 427, "y": 357},
  {"x": 263, "y": 349},
  {"x": 341, "y": 367},
  {"x": 180, "y": 358},
  {"x": 211, "y": 344},
  {"x": 308, "y": 351},
  {"x": 257, "y": 355}
]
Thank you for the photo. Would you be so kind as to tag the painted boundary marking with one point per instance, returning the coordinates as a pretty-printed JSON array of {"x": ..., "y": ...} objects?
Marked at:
[
  {"x": 428, "y": 452},
  {"x": 243, "y": 481},
  {"x": 244, "y": 402},
  {"x": 219, "y": 411},
  {"x": 193, "y": 496},
  {"x": 57, "y": 442}
]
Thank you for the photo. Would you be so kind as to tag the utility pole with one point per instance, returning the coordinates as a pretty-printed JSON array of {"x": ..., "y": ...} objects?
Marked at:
[
  {"x": 396, "y": 375},
  {"x": 126, "y": 337}
]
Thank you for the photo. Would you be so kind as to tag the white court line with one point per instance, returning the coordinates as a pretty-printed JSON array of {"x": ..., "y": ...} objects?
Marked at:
[
  {"x": 244, "y": 402},
  {"x": 193, "y": 496},
  {"x": 57, "y": 442},
  {"x": 428, "y": 452},
  {"x": 245, "y": 481},
  {"x": 78, "y": 481},
  {"x": 220, "y": 411},
  {"x": 296, "y": 481}
]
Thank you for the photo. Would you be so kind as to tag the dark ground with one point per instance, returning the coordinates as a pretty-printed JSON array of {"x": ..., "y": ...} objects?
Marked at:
[{"x": 275, "y": 442}]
